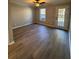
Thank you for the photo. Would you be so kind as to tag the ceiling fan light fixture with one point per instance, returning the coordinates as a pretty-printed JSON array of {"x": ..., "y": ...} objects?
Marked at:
[{"x": 37, "y": 4}]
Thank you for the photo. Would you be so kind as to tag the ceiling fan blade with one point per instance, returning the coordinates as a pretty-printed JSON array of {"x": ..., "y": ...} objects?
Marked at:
[
  {"x": 34, "y": 2},
  {"x": 37, "y": 0},
  {"x": 42, "y": 2}
]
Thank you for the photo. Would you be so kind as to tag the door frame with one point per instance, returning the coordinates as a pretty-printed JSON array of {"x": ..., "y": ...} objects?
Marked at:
[{"x": 67, "y": 17}]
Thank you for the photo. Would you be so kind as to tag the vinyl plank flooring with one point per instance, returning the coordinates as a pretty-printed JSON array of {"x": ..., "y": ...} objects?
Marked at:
[{"x": 39, "y": 42}]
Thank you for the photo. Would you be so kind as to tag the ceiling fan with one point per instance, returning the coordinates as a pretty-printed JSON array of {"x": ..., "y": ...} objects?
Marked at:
[{"x": 38, "y": 3}]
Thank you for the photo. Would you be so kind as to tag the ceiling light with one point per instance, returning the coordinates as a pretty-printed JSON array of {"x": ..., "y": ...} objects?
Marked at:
[{"x": 37, "y": 4}]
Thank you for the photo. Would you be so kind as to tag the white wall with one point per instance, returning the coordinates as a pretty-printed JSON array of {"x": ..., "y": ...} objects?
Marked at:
[{"x": 20, "y": 15}]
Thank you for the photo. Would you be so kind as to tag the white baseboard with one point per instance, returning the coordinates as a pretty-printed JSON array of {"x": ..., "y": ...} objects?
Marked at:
[
  {"x": 21, "y": 26},
  {"x": 69, "y": 39},
  {"x": 11, "y": 43}
]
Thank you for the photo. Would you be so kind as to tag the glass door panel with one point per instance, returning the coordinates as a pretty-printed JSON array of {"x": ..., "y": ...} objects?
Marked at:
[{"x": 61, "y": 17}]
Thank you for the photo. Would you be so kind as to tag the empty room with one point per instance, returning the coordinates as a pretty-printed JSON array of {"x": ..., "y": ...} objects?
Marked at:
[{"x": 39, "y": 29}]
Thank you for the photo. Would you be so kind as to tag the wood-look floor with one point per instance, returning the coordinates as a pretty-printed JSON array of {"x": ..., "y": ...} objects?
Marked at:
[{"x": 39, "y": 42}]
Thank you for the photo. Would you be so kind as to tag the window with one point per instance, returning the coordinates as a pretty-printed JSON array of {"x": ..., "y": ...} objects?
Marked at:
[{"x": 42, "y": 14}]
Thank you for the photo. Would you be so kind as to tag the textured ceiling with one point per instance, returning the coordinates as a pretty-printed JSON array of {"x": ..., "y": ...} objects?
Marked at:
[{"x": 30, "y": 2}]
